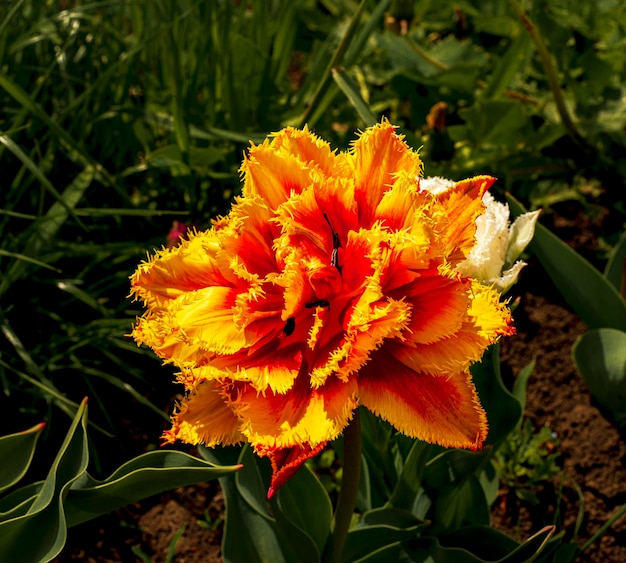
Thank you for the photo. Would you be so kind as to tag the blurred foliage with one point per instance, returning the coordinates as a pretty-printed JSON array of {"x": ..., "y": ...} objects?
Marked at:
[{"x": 527, "y": 460}]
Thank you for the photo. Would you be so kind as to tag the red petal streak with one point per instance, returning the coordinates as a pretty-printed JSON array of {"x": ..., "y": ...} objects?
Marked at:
[
  {"x": 286, "y": 462},
  {"x": 439, "y": 305},
  {"x": 436, "y": 409}
]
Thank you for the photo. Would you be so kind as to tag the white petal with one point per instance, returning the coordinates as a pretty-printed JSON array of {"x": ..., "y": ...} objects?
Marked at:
[
  {"x": 522, "y": 232},
  {"x": 508, "y": 277},
  {"x": 436, "y": 184}
]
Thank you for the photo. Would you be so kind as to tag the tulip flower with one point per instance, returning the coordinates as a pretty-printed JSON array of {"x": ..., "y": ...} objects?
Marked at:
[{"x": 334, "y": 282}]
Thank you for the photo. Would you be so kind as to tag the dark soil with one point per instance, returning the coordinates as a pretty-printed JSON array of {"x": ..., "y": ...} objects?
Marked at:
[{"x": 592, "y": 452}]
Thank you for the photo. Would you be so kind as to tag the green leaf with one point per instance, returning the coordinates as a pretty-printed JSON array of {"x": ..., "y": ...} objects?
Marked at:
[
  {"x": 45, "y": 518},
  {"x": 482, "y": 544},
  {"x": 408, "y": 486},
  {"x": 143, "y": 476},
  {"x": 495, "y": 122},
  {"x": 47, "y": 227},
  {"x": 249, "y": 535},
  {"x": 615, "y": 270},
  {"x": 16, "y": 453},
  {"x": 521, "y": 383},
  {"x": 592, "y": 296},
  {"x": 380, "y": 528},
  {"x": 305, "y": 503},
  {"x": 351, "y": 89},
  {"x": 377, "y": 445},
  {"x": 504, "y": 410},
  {"x": 600, "y": 358},
  {"x": 461, "y": 505},
  {"x": 250, "y": 483},
  {"x": 508, "y": 66},
  {"x": 69, "y": 495},
  {"x": 23, "y": 98}
]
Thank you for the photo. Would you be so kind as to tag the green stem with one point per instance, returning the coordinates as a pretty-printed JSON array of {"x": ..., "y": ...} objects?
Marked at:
[
  {"x": 551, "y": 74},
  {"x": 349, "y": 488},
  {"x": 604, "y": 528}
]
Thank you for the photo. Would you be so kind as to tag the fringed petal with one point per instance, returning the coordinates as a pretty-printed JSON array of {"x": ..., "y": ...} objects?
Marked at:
[
  {"x": 204, "y": 417},
  {"x": 378, "y": 155},
  {"x": 438, "y": 306},
  {"x": 175, "y": 271},
  {"x": 440, "y": 410},
  {"x": 300, "y": 416},
  {"x": 275, "y": 176},
  {"x": 308, "y": 147}
]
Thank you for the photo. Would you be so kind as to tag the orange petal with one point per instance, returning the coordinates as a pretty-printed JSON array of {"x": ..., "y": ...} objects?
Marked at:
[
  {"x": 397, "y": 207},
  {"x": 249, "y": 236},
  {"x": 300, "y": 416},
  {"x": 309, "y": 148},
  {"x": 461, "y": 205},
  {"x": 195, "y": 323},
  {"x": 203, "y": 417},
  {"x": 274, "y": 175},
  {"x": 440, "y": 410},
  {"x": 449, "y": 355},
  {"x": 438, "y": 306},
  {"x": 274, "y": 367},
  {"x": 193, "y": 264},
  {"x": 377, "y": 156}
]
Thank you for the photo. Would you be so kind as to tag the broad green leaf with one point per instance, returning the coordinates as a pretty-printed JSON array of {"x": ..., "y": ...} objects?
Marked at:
[
  {"x": 16, "y": 453},
  {"x": 45, "y": 516},
  {"x": 484, "y": 545},
  {"x": 17, "y": 502},
  {"x": 379, "y": 529},
  {"x": 478, "y": 544},
  {"x": 305, "y": 503},
  {"x": 461, "y": 505},
  {"x": 377, "y": 442},
  {"x": 600, "y": 358},
  {"x": 410, "y": 479},
  {"x": 144, "y": 476},
  {"x": 490, "y": 482},
  {"x": 249, "y": 535},
  {"x": 504, "y": 411},
  {"x": 250, "y": 483},
  {"x": 495, "y": 122},
  {"x": 520, "y": 384},
  {"x": 615, "y": 270},
  {"x": 594, "y": 298}
]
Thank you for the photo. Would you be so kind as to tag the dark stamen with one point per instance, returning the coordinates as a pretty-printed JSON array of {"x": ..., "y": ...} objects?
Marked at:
[
  {"x": 334, "y": 256},
  {"x": 318, "y": 303},
  {"x": 290, "y": 326}
]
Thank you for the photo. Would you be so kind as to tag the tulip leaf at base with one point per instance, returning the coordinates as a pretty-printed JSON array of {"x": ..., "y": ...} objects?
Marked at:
[
  {"x": 69, "y": 495},
  {"x": 16, "y": 452},
  {"x": 615, "y": 270},
  {"x": 600, "y": 358}
]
